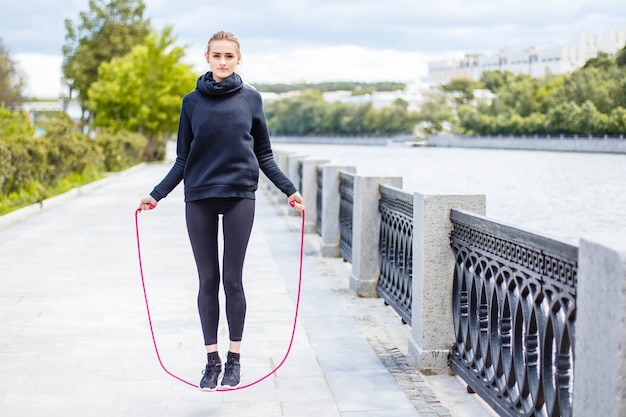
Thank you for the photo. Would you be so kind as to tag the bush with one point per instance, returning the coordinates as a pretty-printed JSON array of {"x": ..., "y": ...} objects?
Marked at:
[
  {"x": 70, "y": 151},
  {"x": 35, "y": 168},
  {"x": 121, "y": 150}
]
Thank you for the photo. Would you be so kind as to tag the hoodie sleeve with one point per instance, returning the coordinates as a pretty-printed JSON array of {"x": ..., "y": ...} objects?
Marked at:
[
  {"x": 263, "y": 148},
  {"x": 183, "y": 144}
]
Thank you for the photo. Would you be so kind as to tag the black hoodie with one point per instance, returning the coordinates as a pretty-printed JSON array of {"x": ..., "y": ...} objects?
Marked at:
[{"x": 222, "y": 142}]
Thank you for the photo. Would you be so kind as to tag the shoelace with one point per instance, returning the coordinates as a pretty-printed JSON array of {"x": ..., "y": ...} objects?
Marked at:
[
  {"x": 208, "y": 368},
  {"x": 231, "y": 366}
]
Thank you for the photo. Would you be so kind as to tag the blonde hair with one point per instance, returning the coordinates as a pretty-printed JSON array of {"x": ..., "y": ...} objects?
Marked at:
[{"x": 224, "y": 36}]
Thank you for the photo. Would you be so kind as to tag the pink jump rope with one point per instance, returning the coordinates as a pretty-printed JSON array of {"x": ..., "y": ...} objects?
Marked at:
[{"x": 156, "y": 349}]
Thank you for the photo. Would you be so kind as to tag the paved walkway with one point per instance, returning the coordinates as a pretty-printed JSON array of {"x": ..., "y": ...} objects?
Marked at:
[{"x": 74, "y": 338}]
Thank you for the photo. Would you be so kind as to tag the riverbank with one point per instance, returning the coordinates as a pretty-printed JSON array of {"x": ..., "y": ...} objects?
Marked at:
[{"x": 533, "y": 143}]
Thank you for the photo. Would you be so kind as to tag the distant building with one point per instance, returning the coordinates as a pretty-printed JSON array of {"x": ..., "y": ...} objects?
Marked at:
[
  {"x": 534, "y": 61},
  {"x": 38, "y": 110}
]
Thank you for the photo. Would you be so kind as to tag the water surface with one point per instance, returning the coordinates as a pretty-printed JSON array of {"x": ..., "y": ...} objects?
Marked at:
[{"x": 566, "y": 195}]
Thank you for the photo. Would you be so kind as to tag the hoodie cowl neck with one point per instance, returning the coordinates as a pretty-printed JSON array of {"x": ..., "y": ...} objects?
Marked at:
[{"x": 207, "y": 85}]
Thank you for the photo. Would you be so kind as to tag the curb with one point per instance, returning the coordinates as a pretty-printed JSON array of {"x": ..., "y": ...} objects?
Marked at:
[{"x": 27, "y": 212}]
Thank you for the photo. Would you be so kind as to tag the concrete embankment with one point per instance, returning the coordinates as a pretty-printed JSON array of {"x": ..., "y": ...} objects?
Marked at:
[{"x": 535, "y": 143}]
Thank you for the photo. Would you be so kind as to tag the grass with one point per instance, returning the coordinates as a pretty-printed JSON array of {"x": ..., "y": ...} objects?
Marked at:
[{"x": 37, "y": 192}]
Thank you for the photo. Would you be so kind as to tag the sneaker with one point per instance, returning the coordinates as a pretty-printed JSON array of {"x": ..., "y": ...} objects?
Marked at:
[
  {"x": 232, "y": 374},
  {"x": 210, "y": 375}
]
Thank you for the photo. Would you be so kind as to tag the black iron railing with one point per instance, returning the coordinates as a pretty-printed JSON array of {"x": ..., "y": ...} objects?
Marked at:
[
  {"x": 346, "y": 204},
  {"x": 514, "y": 307},
  {"x": 395, "y": 282}
]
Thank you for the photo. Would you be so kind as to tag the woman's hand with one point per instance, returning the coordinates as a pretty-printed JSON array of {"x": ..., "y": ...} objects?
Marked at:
[
  {"x": 295, "y": 200},
  {"x": 147, "y": 203}
]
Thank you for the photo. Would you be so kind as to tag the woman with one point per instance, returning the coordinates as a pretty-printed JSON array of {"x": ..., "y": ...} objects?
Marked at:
[{"x": 222, "y": 142}]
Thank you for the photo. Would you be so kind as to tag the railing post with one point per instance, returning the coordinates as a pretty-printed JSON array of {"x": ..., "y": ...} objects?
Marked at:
[
  {"x": 331, "y": 233},
  {"x": 281, "y": 160},
  {"x": 294, "y": 162},
  {"x": 600, "y": 345},
  {"x": 432, "y": 330},
  {"x": 309, "y": 192},
  {"x": 366, "y": 233}
]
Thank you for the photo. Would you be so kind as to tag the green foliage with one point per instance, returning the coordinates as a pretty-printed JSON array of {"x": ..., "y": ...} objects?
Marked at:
[
  {"x": 121, "y": 150},
  {"x": 309, "y": 115},
  {"x": 106, "y": 31},
  {"x": 69, "y": 151},
  {"x": 35, "y": 168},
  {"x": 142, "y": 92},
  {"x": 357, "y": 88},
  {"x": 14, "y": 123},
  {"x": 598, "y": 85},
  {"x": 435, "y": 112},
  {"x": 462, "y": 89},
  {"x": 11, "y": 81},
  {"x": 602, "y": 61},
  {"x": 616, "y": 123},
  {"x": 494, "y": 80},
  {"x": 620, "y": 59},
  {"x": 588, "y": 101}
]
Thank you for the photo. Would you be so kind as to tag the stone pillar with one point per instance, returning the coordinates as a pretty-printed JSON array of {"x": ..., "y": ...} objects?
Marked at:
[
  {"x": 600, "y": 344},
  {"x": 309, "y": 192},
  {"x": 294, "y": 163},
  {"x": 276, "y": 196},
  {"x": 366, "y": 233},
  {"x": 331, "y": 234},
  {"x": 432, "y": 329}
]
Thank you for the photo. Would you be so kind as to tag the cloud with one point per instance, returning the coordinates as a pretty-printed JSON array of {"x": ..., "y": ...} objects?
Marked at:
[
  {"x": 42, "y": 73},
  {"x": 329, "y": 39},
  {"x": 335, "y": 63},
  {"x": 311, "y": 64}
]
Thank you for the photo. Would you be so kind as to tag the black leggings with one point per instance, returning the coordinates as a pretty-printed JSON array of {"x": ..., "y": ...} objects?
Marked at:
[{"x": 202, "y": 226}]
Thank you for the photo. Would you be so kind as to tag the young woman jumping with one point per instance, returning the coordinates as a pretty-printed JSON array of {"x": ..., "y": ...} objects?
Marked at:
[{"x": 222, "y": 143}]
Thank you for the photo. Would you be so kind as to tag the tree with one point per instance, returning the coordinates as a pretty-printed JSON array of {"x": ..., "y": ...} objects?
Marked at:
[
  {"x": 142, "y": 91},
  {"x": 562, "y": 118},
  {"x": 435, "y": 112},
  {"x": 105, "y": 31},
  {"x": 601, "y": 86},
  {"x": 394, "y": 119},
  {"x": 300, "y": 116},
  {"x": 11, "y": 81},
  {"x": 494, "y": 80},
  {"x": 604, "y": 61},
  {"x": 616, "y": 124},
  {"x": 589, "y": 121},
  {"x": 620, "y": 59},
  {"x": 462, "y": 89}
]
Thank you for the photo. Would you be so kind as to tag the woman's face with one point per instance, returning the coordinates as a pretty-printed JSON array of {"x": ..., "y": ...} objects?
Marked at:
[{"x": 223, "y": 59}]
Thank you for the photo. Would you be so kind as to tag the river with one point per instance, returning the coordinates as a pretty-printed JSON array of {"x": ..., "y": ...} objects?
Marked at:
[{"x": 565, "y": 195}]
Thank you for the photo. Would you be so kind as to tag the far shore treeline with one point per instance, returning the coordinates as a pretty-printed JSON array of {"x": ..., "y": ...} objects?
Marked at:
[
  {"x": 588, "y": 101},
  {"x": 130, "y": 95}
]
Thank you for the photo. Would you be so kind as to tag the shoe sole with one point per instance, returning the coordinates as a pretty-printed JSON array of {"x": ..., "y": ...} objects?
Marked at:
[{"x": 229, "y": 387}]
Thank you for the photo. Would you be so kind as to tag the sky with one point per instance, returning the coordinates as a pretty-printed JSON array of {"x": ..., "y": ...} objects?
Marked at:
[{"x": 288, "y": 41}]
